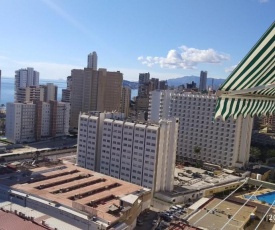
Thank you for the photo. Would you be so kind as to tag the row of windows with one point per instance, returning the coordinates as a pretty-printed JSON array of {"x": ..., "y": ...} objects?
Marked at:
[{"x": 190, "y": 148}]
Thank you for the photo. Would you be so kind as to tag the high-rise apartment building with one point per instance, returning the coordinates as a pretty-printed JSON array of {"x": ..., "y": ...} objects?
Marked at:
[
  {"x": 29, "y": 94},
  {"x": 203, "y": 81},
  {"x": 92, "y": 61},
  {"x": 94, "y": 90},
  {"x": 191, "y": 85},
  {"x": 153, "y": 84},
  {"x": 50, "y": 92},
  {"x": 140, "y": 153},
  {"x": 26, "y": 77},
  {"x": 163, "y": 85},
  {"x": 27, "y": 122},
  {"x": 66, "y": 93},
  {"x": 220, "y": 142},
  {"x": 44, "y": 93},
  {"x": 125, "y": 100},
  {"x": 145, "y": 86},
  {"x": 69, "y": 82}
]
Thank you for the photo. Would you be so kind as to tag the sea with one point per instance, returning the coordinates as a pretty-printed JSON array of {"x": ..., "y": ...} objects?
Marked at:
[{"x": 7, "y": 89}]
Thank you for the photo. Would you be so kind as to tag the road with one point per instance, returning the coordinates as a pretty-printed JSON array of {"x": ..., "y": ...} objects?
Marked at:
[
  {"x": 49, "y": 154},
  {"x": 54, "y": 143}
]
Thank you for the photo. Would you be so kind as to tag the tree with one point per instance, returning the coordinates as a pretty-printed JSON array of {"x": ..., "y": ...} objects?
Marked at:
[
  {"x": 271, "y": 153},
  {"x": 197, "y": 151},
  {"x": 255, "y": 152}
]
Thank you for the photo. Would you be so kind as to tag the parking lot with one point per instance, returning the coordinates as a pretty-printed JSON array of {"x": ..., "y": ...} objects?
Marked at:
[
  {"x": 146, "y": 219},
  {"x": 160, "y": 220}
]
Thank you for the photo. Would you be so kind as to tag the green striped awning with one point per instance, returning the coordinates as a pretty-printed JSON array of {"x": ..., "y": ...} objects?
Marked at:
[{"x": 250, "y": 88}]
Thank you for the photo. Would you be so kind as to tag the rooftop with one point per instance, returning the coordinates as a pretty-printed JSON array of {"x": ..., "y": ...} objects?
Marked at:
[
  {"x": 192, "y": 178},
  {"x": 261, "y": 170},
  {"x": 221, "y": 215},
  {"x": 75, "y": 188},
  {"x": 11, "y": 221},
  {"x": 15, "y": 216}
]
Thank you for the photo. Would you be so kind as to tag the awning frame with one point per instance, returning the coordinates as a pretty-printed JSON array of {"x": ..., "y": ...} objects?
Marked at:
[{"x": 244, "y": 91}]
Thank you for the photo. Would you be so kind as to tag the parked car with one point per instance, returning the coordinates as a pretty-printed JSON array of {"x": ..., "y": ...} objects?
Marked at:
[
  {"x": 174, "y": 207},
  {"x": 154, "y": 222},
  {"x": 167, "y": 218},
  {"x": 139, "y": 222}
]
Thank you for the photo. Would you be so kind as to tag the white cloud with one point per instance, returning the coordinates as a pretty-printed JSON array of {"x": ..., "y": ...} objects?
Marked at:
[
  {"x": 263, "y": 1},
  {"x": 185, "y": 58},
  {"x": 50, "y": 70},
  {"x": 230, "y": 69}
]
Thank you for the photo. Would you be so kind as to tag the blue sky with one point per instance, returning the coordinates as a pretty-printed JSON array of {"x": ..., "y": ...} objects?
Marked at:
[{"x": 169, "y": 39}]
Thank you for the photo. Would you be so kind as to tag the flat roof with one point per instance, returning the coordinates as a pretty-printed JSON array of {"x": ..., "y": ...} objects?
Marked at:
[
  {"x": 199, "y": 203},
  {"x": 131, "y": 199},
  {"x": 220, "y": 217},
  {"x": 11, "y": 221},
  {"x": 140, "y": 125},
  {"x": 78, "y": 189},
  {"x": 187, "y": 181}
]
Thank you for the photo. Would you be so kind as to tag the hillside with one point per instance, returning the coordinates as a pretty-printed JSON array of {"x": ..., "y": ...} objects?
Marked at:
[
  {"x": 179, "y": 81},
  {"x": 196, "y": 79},
  {"x": 130, "y": 84}
]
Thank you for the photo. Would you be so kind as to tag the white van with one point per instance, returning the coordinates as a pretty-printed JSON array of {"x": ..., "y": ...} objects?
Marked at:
[{"x": 174, "y": 207}]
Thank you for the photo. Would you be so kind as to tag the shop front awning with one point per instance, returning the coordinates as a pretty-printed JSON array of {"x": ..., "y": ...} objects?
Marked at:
[{"x": 250, "y": 88}]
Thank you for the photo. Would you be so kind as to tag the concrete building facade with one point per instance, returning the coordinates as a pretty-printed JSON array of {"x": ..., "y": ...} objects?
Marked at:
[
  {"x": 203, "y": 81},
  {"x": 125, "y": 100},
  {"x": 44, "y": 93},
  {"x": 220, "y": 142},
  {"x": 265, "y": 122},
  {"x": 27, "y": 122},
  {"x": 143, "y": 154},
  {"x": 94, "y": 91},
  {"x": 50, "y": 92},
  {"x": 163, "y": 85},
  {"x": 26, "y": 77},
  {"x": 145, "y": 86},
  {"x": 29, "y": 94},
  {"x": 66, "y": 93},
  {"x": 144, "y": 79},
  {"x": 92, "y": 61}
]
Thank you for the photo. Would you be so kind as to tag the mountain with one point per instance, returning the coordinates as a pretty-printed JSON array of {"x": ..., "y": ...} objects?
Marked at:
[
  {"x": 130, "y": 84},
  {"x": 188, "y": 79},
  {"x": 181, "y": 81}
]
